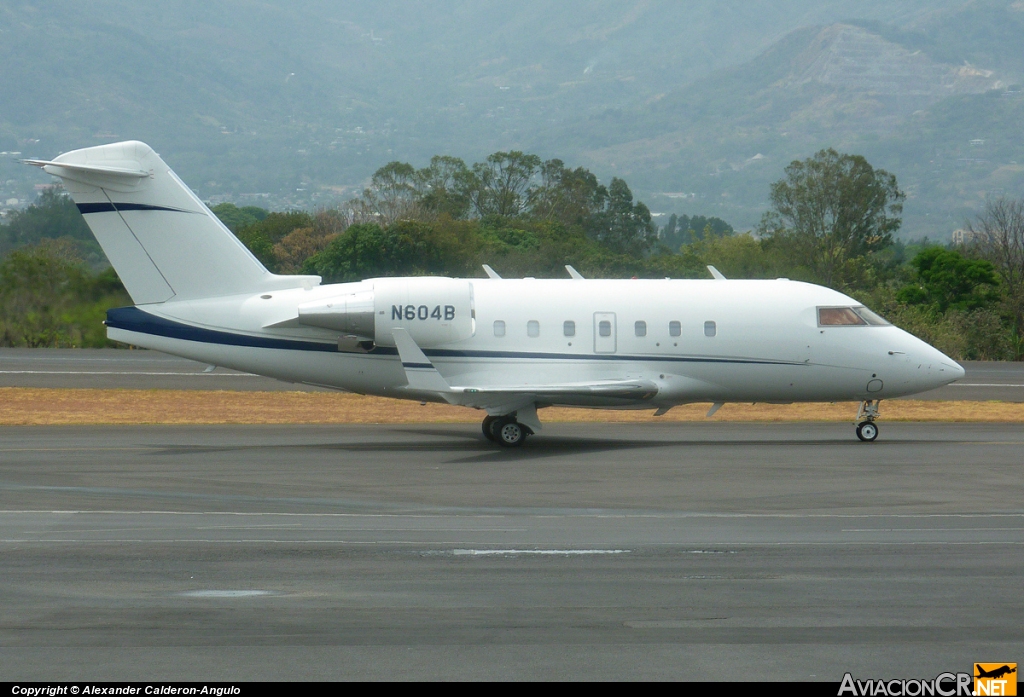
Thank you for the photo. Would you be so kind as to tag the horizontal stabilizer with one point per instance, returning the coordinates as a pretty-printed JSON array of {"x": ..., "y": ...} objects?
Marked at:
[{"x": 135, "y": 172}]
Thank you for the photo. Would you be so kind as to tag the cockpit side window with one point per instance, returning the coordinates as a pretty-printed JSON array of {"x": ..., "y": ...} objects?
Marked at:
[
  {"x": 838, "y": 317},
  {"x": 858, "y": 316},
  {"x": 870, "y": 317}
]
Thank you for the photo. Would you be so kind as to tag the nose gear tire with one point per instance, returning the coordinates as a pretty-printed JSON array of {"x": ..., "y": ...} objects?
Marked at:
[{"x": 867, "y": 431}]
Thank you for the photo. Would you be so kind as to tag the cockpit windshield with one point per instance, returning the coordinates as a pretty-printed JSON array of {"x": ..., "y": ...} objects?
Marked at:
[{"x": 856, "y": 316}]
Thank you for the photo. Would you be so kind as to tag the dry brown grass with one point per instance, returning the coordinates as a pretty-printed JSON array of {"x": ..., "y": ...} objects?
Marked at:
[{"x": 29, "y": 406}]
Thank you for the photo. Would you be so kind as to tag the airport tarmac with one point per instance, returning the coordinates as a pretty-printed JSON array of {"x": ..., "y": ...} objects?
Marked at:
[
  {"x": 714, "y": 551},
  {"x": 141, "y": 369},
  {"x": 136, "y": 369}
]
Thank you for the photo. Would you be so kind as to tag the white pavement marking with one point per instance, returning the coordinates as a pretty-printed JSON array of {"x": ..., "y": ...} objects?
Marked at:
[
  {"x": 983, "y": 384},
  {"x": 492, "y": 552},
  {"x": 227, "y": 594},
  {"x": 128, "y": 372}
]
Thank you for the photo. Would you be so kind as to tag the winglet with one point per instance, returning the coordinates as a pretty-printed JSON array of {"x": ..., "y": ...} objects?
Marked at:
[
  {"x": 714, "y": 407},
  {"x": 491, "y": 273},
  {"x": 716, "y": 273},
  {"x": 576, "y": 275},
  {"x": 419, "y": 371}
]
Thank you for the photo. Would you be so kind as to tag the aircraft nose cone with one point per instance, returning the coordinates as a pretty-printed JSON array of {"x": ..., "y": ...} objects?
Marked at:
[
  {"x": 942, "y": 370},
  {"x": 955, "y": 369}
]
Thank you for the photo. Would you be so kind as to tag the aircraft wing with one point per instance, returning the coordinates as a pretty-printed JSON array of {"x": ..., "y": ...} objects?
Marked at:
[
  {"x": 523, "y": 399},
  {"x": 422, "y": 376},
  {"x": 621, "y": 389}
]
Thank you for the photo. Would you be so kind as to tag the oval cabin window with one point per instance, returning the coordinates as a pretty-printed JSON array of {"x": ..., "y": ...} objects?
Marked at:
[{"x": 499, "y": 327}]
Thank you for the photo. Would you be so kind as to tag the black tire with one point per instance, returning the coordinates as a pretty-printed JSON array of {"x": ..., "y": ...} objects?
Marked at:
[
  {"x": 488, "y": 428},
  {"x": 508, "y": 432},
  {"x": 867, "y": 431}
]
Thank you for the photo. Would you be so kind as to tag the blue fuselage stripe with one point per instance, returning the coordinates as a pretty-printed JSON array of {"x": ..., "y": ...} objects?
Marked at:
[
  {"x": 133, "y": 319},
  {"x": 86, "y": 208}
]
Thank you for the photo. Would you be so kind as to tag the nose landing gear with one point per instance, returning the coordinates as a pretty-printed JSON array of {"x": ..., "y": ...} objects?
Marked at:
[
  {"x": 506, "y": 431},
  {"x": 867, "y": 429}
]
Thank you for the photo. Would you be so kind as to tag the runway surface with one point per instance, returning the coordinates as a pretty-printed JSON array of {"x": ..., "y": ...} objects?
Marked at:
[
  {"x": 599, "y": 551},
  {"x": 118, "y": 368},
  {"x": 125, "y": 369}
]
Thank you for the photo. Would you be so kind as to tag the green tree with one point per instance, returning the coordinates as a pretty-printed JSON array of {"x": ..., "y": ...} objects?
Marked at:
[
  {"x": 570, "y": 196},
  {"x": 687, "y": 230},
  {"x": 999, "y": 237},
  {"x": 667, "y": 235},
  {"x": 261, "y": 237},
  {"x": 235, "y": 218},
  {"x": 392, "y": 194},
  {"x": 444, "y": 186},
  {"x": 501, "y": 185},
  {"x": 53, "y": 216},
  {"x": 623, "y": 227},
  {"x": 49, "y": 298},
  {"x": 831, "y": 211},
  {"x": 405, "y": 248},
  {"x": 946, "y": 279}
]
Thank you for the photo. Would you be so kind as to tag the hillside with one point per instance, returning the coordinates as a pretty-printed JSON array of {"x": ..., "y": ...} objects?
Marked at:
[
  {"x": 301, "y": 102},
  {"x": 949, "y": 131}
]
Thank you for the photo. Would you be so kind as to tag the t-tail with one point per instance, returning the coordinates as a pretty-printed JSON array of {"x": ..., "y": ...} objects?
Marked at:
[{"x": 164, "y": 243}]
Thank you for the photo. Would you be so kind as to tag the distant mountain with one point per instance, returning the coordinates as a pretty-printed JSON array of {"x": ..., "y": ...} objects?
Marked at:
[
  {"x": 950, "y": 131},
  {"x": 705, "y": 99}
]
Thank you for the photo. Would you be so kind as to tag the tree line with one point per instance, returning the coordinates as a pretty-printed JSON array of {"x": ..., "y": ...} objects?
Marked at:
[{"x": 832, "y": 220}]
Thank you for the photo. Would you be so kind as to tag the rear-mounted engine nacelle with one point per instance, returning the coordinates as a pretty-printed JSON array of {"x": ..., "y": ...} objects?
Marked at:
[{"x": 434, "y": 311}]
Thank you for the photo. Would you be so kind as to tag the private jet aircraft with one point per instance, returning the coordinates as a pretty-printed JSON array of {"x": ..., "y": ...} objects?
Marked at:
[{"x": 505, "y": 346}]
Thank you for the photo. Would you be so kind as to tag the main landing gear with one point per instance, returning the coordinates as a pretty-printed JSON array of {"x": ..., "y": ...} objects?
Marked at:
[
  {"x": 867, "y": 429},
  {"x": 505, "y": 430}
]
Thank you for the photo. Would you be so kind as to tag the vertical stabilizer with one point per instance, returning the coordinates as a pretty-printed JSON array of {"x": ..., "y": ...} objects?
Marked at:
[{"x": 162, "y": 240}]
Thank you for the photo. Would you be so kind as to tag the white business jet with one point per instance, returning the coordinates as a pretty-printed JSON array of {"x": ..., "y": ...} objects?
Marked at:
[{"x": 506, "y": 346}]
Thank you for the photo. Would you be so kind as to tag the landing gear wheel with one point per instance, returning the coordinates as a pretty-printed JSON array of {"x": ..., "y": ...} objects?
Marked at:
[
  {"x": 508, "y": 432},
  {"x": 488, "y": 428},
  {"x": 867, "y": 431}
]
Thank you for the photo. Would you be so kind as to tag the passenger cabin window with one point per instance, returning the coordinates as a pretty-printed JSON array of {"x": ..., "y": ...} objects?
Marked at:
[
  {"x": 569, "y": 328},
  {"x": 499, "y": 327},
  {"x": 857, "y": 316},
  {"x": 533, "y": 328},
  {"x": 674, "y": 328},
  {"x": 710, "y": 329},
  {"x": 640, "y": 328},
  {"x": 604, "y": 328}
]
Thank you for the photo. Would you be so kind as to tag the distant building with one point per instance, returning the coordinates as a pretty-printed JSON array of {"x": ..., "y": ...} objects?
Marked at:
[
  {"x": 977, "y": 142},
  {"x": 963, "y": 237}
]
